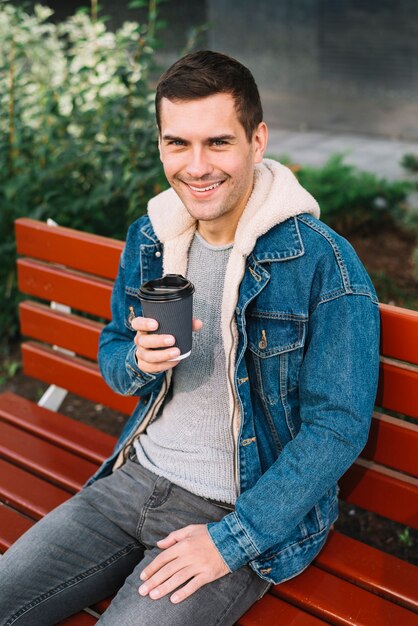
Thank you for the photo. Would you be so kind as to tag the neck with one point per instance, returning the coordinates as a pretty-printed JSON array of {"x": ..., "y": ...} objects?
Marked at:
[{"x": 215, "y": 236}]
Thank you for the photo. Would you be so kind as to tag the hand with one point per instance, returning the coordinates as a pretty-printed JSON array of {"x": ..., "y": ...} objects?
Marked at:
[
  {"x": 189, "y": 554},
  {"x": 150, "y": 360}
]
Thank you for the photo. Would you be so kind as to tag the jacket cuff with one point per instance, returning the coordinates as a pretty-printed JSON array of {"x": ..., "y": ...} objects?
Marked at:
[
  {"x": 233, "y": 543},
  {"x": 137, "y": 376}
]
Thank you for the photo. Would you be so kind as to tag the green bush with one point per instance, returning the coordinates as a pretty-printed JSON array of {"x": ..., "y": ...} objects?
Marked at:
[
  {"x": 78, "y": 141},
  {"x": 353, "y": 200}
]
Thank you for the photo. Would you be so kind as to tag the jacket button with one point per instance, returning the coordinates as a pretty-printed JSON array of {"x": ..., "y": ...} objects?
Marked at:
[{"x": 158, "y": 254}]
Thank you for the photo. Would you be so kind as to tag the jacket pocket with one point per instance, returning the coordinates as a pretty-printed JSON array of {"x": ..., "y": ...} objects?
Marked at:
[{"x": 276, "y": 341}]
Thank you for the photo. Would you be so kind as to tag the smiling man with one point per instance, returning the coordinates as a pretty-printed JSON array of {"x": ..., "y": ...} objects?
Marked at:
[{"x": 224, "y": 480}]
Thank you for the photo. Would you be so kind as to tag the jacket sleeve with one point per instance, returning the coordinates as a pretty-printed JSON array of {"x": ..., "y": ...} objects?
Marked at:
[
  {"x": 337, "y": 388},
  {"x": 116, "y": 355}
]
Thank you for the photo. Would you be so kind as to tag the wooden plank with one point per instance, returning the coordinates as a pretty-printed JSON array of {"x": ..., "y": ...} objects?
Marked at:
[
  {"x": 79, "y": 250},
  {"x": 399, "y": 333},
  {"x": 339, "y": 602},
  {"x": 394, "y": 443},
  {"x": 79, "y": 291},
  {"x": 75, "y": 374},
  {"x": 371, "y": 569},
  {"x": 272, "y": 611},
  {"x": 383, "y": 491},
  {"x": 65, "y": 330},
  {"x": 12, "y": 525},
  {"x": 28, "y": 493},
  {"x": 44, "y": 459},
  {"x": 398, "y": 388},
  {"x": 56, "y": 428}
]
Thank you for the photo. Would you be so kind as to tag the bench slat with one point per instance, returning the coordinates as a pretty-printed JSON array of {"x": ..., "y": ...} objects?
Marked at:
[
  {"x": 398, "y": 388},
  {"x": 75, "y": 374},
  {"x": 79, "y": 291},
  {"x": 28, "y": 493},
  {"x": 12, "y": 525},
  {"x": 43, "y": 458},
  {"x": 340, "y": 602},
  {"x": 274, "y": 612},
  {"x": 382, "y": 491},
  {"x": 56, "y": 428},
  {"x": 393, "y": 443},
  {"x": 82, "y": 251},
  {"x": 370, "y": 568},
  {"x": 68, "y": 331},
  {"x": 399, "y": 336}
]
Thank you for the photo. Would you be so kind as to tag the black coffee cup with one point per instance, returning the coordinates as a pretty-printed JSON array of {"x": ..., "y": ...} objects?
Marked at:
[{"x": 169, "y": 300}]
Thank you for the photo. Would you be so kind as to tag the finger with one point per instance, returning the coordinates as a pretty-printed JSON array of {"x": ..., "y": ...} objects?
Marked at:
[
  {"x": 197, "y": 324},
  {"x": 152, "y": 357},
  {"x": 144, "y": 324},
  {"x": 175, "y": 536},
  {"x": 159, "y": 562},
  {"x": 185, "y": 592},
  {"x": 151, "y": 341},
  {"x": 162, "y": 575},
  {"x": 166, "y": 543},
  {"x": 172, "y": 583}
]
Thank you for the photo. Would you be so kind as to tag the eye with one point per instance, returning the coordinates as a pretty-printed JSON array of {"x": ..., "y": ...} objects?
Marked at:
[
  {"x": 219, "y": 142},
  {"x": 176, "y": 142}
]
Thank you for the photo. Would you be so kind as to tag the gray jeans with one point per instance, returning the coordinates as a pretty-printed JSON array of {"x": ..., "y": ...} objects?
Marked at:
[{"x": 97, "y": 543}]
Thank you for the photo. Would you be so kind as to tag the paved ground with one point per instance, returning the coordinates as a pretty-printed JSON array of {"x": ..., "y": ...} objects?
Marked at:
[{"x": 378, "y": 155}]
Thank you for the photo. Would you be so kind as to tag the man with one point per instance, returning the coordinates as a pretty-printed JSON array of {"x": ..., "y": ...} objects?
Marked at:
[{"x": 224, "y": 479}]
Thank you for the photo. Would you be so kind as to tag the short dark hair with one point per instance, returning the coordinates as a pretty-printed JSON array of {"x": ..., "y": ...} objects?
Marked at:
[{"x": 205, "y": 73}]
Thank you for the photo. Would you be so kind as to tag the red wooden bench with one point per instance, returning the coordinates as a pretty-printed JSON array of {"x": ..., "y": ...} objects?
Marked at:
[{"x": 45, "y": 456}]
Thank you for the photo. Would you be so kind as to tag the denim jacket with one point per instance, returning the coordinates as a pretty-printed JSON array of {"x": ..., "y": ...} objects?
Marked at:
[{"x": 305, "y": 375}]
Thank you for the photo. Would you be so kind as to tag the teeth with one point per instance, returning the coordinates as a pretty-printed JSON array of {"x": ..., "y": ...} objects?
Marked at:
[{"x": 204, "y": 188}]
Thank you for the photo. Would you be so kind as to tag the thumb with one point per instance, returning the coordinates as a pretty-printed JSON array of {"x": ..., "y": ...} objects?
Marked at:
[{"x": 172, "y": 538}]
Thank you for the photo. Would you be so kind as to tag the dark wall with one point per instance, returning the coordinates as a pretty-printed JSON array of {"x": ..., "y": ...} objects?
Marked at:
[{"x": 349, "y": 65}]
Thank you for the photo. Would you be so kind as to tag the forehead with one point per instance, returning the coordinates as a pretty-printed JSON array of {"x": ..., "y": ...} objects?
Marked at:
[{"x": 213, "y": 115}]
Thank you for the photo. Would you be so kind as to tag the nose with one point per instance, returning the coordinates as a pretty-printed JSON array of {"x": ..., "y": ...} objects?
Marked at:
[{"x": 198, "y": 165}]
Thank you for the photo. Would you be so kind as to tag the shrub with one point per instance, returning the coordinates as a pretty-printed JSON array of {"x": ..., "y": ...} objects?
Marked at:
[
  {"x": 352, "y": 200},
  {"x": 78, "y": 140}
]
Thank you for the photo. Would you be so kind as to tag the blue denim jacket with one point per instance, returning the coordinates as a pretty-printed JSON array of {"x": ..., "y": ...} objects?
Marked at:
[{"x": 305, "y": 395}]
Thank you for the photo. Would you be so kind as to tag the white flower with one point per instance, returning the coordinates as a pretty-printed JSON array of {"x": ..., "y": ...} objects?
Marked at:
[{"x": 42, "y": 12}]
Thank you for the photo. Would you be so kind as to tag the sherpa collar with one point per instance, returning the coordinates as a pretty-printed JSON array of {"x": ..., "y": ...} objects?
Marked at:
[{"x": 276, "y": 196}]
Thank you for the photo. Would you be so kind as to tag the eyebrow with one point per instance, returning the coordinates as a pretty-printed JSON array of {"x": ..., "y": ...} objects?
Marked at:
[{"x": 209, "y": 139}]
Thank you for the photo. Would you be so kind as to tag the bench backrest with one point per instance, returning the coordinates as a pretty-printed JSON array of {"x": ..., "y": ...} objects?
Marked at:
[{"x": 77, "y": 269}]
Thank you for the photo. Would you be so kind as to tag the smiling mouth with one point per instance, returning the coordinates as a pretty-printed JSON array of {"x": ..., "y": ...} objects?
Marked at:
[{"x": 203, "y": 189}]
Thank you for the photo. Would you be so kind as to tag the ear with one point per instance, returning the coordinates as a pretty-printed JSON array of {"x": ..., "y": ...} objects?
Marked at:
[
  {"x": 159, "y": 145},
  {"x": 260, "y": 138}
]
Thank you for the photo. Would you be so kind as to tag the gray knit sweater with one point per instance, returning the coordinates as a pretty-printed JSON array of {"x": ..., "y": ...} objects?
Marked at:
[{"x": 190, "y": 442}]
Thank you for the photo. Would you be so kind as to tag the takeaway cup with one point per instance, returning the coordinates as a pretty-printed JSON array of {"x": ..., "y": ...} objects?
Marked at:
[{"x": 169, "y": 300}]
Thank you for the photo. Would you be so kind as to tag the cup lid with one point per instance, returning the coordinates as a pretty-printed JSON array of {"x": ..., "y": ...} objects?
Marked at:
[{"x": 169, "y": 287}]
